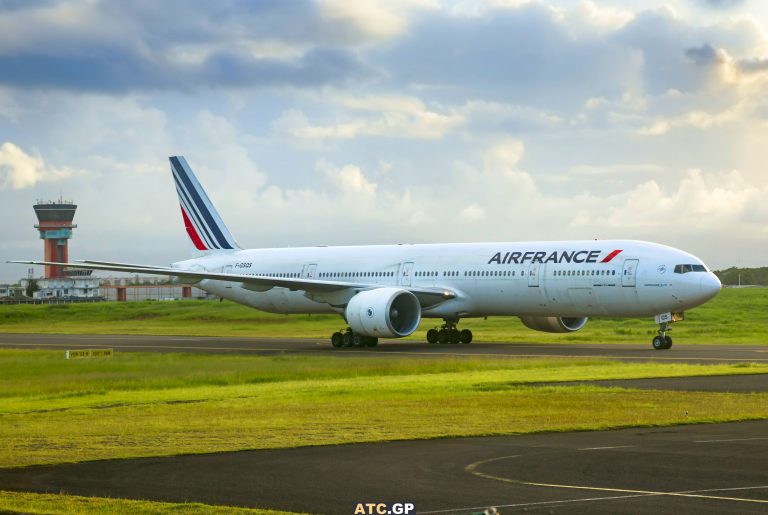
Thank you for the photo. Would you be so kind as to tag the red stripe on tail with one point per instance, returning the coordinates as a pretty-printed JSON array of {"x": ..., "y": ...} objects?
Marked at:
[
  {"x": 610, "y": 256},
  {"x": 199, "y": 245}
]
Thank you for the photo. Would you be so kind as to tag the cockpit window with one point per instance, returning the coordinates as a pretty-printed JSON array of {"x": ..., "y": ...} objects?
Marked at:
[{"x": 684, "y": 269}]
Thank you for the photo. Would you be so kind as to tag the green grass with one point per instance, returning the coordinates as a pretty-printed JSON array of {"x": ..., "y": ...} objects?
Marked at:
[
  {"x": 734, "y": 316},
  {"x": 22, "y": 502},
  {"x": 135, "y": 405}
]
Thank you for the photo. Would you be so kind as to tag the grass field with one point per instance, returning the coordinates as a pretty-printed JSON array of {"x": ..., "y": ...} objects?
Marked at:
[
  {"x": 53, "y": 410},
  {"x": 734, "y": 316},
  {"x": 22, "y": 502}
]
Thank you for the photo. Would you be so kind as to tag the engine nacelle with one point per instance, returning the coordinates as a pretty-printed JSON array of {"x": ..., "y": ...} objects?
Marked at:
[
  {"x": 554, "y": 324},
  {"x": 388, "y": 312}
]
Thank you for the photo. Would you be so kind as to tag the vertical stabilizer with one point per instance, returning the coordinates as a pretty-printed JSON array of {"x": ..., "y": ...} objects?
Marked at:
[{"x": 203, "y": 223}]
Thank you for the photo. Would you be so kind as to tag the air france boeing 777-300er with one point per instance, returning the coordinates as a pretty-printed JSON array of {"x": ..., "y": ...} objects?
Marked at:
[{"x": 385, "y": 290}]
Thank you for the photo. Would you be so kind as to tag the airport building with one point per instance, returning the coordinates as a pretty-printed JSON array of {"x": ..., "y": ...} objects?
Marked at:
[{"x": 62, "y": 284}]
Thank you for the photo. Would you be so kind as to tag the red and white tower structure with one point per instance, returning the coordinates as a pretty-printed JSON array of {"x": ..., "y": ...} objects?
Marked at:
[{"x": 55, "y": 226}]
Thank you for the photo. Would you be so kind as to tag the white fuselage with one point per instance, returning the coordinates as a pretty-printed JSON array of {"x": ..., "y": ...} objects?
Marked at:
[{"x": 566, "y": 278}]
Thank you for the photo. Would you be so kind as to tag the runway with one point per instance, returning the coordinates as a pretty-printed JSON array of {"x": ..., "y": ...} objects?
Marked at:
[
  {"x": 717, "y": 468},
  {"x": 641, "y": 351}
]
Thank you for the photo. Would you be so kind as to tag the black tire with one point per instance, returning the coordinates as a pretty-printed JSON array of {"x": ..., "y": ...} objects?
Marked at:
[
  {"x": 465, "y": 336},
  {"x": 358, "y": 340},
  {"x": 454, "y": 336},
  {"x": 346, "y": 339},
  {"x": 442, "y": 336},
  {"x": 667, "y": 342},
  {"x": 337, "y": 339},
  {"x": 659, "y": 343},
  {"x": 371, "y": 341},
  {"x": 432, "y": 336}
]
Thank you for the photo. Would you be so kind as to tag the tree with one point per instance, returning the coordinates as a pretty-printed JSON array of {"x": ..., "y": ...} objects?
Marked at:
[{"x": 32, "y": 287}]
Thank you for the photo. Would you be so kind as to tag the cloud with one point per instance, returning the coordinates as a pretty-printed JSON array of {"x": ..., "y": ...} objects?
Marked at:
[
  {"x": 20, "y": 170},
  {"x": 387, "y": 116},
  {"x": 711, "y": 200},
  {"x": 374, "y": 19},
  {"x": 356, "y": 190},
  {"x": 721, "y": 4},
  {"x": 121, "y": 47}
]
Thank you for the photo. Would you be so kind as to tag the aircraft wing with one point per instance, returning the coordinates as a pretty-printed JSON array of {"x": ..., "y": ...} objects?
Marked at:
[{"x": 428, "y": 296}]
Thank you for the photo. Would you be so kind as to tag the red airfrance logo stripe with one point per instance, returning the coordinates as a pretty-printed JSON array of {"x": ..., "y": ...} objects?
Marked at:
[
  {"x": 556, "y": 256},
  {"x": 199, "y": 245},
  {"x": 610, "y": 256}
]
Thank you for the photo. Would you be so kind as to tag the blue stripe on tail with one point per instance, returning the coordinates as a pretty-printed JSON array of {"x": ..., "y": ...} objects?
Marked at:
[{"x": 200, "y": 204}]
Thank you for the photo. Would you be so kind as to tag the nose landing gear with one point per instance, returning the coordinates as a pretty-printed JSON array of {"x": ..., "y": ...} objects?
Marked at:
[
  {"x": 663, "y": 341},
  {"x": 449, "y": 333}
]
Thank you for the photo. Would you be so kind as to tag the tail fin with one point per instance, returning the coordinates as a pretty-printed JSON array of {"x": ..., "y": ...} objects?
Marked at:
[{"x": 203, "y": 223}]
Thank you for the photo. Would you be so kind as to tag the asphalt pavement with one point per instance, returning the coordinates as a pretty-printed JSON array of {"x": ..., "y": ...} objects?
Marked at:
[
  {"x": 394, "y": 348},
  {"x": 717, "y": 468}
]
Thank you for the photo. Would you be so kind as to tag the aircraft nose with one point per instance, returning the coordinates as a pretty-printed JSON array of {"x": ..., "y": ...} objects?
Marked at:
[{"x": 710, "y": 285}]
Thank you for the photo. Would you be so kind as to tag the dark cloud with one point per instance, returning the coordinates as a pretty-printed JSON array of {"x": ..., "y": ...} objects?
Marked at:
[
  {"x": 721, "y": 4},
  {"x": 119, "y": 71},
  {"x": 533, "y": 56},
  {"x": 122, "y": 46},
  {"x": 523, "y": 55},
  {"x": 705, "y": 55},
  {"x": 753, "y": 65}
]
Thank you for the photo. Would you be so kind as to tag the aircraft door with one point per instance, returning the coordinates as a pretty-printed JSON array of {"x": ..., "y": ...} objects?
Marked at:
[
  {"x": 533, "y": 274},
  {"x": 227, "y": 270},
  {"x": 308, "y": 272},
  {"x": 629, "y": 273},
  {"x": 406, "y": 270}
]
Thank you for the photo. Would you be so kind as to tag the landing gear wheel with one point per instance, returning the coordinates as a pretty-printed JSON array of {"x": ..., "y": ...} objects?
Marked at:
[
  {"x": 357, "y": 340},
  {"x": 442, "y": 336},
  {"x": 663, "y": 340},
  {"x": 371, "y": 341},
  {"x": 465, "y": 336},
  {"x": 337, "y": 339},
  {"x": 346, "y": 339},
  {"x": 454, "y": 336},
  {"x": 432, "y": 336}
]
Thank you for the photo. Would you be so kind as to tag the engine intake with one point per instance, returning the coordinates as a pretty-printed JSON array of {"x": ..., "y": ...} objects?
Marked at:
[
  {"x": 388, "y": 312},
  {"x": 554, "y": 324}
]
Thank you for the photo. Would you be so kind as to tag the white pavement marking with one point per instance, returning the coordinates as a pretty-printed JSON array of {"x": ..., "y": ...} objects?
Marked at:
[
  {"x": 586, "y": 499},
  {"x": 472, "y": 469},
  {"x": 602, "y": 448},
  {"x": 732, "y": 440}
]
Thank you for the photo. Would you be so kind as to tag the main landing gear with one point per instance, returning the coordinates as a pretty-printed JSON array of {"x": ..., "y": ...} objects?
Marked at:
[
  {"x": 448, "y": 333},
  {"x": 663, "y": 341},
  {"x": 348, "y": 338}
]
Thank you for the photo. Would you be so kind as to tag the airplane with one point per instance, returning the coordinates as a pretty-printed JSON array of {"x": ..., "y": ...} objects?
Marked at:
[{"x": 383, "y": 291}]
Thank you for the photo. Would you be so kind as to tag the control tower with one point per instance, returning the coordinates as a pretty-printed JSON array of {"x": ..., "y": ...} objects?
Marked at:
[{"x": 55, "y": 226}]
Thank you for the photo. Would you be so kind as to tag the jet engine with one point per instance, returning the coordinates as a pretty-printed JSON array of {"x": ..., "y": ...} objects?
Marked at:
[
  {"x": 387, "y": 312},
  {"x": 554, "y": 324}
]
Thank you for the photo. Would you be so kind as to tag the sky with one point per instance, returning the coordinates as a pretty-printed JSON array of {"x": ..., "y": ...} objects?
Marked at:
[{"x": 332, "y": 122}]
